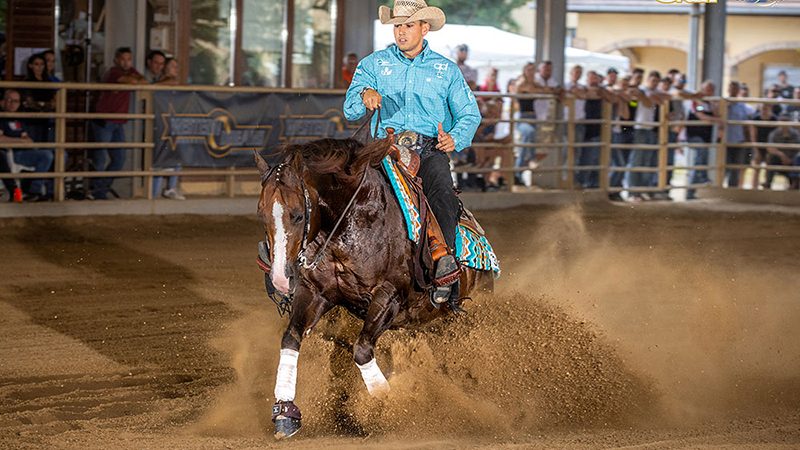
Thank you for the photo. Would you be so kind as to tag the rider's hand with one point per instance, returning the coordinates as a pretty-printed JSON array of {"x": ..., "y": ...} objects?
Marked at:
[
  {"x": 446, "y": 142},
  {"x": 372, "y": 99}
]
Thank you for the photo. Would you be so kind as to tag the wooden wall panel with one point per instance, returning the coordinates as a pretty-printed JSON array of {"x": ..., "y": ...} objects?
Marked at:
[{"x": 31, "y": 23}]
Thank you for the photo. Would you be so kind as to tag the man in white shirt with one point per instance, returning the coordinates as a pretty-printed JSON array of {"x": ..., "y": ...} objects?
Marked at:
[{"x": 650, "y": 100}]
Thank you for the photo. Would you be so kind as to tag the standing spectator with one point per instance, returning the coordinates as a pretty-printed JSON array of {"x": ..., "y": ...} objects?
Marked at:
[
  {"x": 785, "y": 90},
  {"x": 784, "y": 157},
  {"x": 50, "y": 59},
  {"x": 490, "y": 84},
  {"x": 760, "y": 133},
  {"x": 113, "y": 159},
  {"x": 593, "y": 107},
  {"x": 623, "y": 108},
  {"x": 154, "y": 62},
  {"x": 39, "y": 100},
  {"x": 701, "y": 134},
  {"x": 578, "y": 91},
  {"x": 348, "y": 69},
  {"x": 545, "y": 108},
  {"x": 169, "y": 77},
  {"x": 470, "y": 74},
  {"x": 526, "y": 155},
  {"x": 794, "y": 110},
  {"x": 735, "y": 135},
  {"x": 611, "y": 77},
  {"x": 489, "y": 132},
  {"x": 650, "y": 100},
  {"x": 40, "y": 160}
]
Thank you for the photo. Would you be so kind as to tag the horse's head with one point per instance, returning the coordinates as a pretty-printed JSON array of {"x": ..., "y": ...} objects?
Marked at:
[{"x": 288, "y": 213}]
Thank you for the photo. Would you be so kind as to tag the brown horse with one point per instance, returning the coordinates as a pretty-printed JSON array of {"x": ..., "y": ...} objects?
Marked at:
[{"x": 335, "y": 236}]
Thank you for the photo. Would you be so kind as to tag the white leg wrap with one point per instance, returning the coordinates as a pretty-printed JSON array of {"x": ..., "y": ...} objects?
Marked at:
[
  {"x": 373, "y": 378},
  {"x": 287, "y": 376}
]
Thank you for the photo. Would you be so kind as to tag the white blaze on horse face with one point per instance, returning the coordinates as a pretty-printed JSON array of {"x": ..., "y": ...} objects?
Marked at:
[
  {"x": 287, "y": 376},
  {"x": 373, "y": 378},
  {"x": 278, "y": 272}
]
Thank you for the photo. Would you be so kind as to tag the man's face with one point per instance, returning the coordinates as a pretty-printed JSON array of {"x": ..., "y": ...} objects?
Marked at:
[
  {"x": 546, "y": 70},
  {"x": 652, "y": 82},
  {"x": 156, "y": 64},
  {"x": 636, "y": 79},
  {"x": 408, "y": 36},
  {"x": 733, "y": 89},
  {"x": 576, "y": 73},
  {"x": 11, "y": 101},
  {"x": 462, "y": 55},
  {"x": 529, "y": 71},
  {"x": 797, "y": 93},
  {"x": 708, "y": 89},
  {"x": 125, "y": 61},
  {"x": 612, "y": 78},
  {"x": 782, "y": 78}
]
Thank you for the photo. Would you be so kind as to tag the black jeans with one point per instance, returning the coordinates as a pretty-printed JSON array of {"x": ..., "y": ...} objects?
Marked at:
[{"x": 438, "y": 188}]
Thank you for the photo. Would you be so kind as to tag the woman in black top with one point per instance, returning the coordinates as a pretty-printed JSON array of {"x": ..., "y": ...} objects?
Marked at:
[{"x": 39, "y": 100}]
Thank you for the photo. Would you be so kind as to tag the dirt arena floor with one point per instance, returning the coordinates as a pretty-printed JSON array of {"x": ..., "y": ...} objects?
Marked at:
[{"x": 654, "y": 326}]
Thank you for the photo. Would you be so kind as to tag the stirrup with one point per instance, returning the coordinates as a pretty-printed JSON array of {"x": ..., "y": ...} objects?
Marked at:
[{"x": 447, "y": 273}]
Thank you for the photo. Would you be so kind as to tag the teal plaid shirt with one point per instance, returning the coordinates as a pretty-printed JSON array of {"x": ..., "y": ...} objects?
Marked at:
[{"x": 417, "y": 94}]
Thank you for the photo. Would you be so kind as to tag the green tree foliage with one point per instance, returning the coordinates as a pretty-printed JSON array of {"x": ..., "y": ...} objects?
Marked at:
[{"x": 496, "y": 13}]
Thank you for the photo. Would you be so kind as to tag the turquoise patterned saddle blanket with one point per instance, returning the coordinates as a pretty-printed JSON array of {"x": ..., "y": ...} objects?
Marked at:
[{"x": 472, "y": 248}]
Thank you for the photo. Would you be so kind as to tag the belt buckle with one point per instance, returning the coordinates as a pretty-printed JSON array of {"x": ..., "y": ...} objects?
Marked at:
[{"x": 408, "y": 139}]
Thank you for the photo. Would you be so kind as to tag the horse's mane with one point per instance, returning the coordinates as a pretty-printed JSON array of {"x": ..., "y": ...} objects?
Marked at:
[{"x": 345, "y": 159}]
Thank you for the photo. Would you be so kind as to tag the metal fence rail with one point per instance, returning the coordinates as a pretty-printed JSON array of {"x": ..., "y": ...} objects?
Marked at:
[{"x": 561, "y": 149}]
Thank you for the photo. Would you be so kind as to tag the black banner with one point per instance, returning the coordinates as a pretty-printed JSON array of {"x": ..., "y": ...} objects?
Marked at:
[{"x": 212, "y": 129}]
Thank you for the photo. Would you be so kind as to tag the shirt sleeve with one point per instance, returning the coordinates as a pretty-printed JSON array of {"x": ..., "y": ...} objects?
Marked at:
[
  {"x": 364, "y": 77},
  {"x": 465, "y": 111}
]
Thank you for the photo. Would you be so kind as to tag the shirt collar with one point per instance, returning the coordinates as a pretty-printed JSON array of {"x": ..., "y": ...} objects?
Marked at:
[{"x": 426, "y": 50}]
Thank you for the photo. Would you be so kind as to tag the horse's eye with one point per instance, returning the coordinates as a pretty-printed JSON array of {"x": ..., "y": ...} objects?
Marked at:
[{"x": 296, "y": 218}]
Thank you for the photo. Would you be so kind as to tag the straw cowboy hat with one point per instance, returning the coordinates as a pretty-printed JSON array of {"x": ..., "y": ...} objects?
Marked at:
[{"x": 406, "y": 11}]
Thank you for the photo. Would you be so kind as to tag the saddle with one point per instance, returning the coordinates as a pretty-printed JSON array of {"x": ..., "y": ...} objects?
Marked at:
[{"x": 431, "y": 246}]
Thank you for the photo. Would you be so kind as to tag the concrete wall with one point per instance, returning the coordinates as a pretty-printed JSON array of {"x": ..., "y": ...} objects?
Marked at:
[{"x": 659, "y": 58}]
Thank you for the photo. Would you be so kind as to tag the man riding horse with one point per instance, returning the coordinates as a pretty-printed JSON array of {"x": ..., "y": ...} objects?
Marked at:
[{"x": 420, "y": 93}]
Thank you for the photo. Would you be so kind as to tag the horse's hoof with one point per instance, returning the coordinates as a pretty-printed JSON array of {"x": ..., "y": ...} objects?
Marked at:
[
  {"x": 286, "y": 427},
  {"x": 286, "y": 416}
]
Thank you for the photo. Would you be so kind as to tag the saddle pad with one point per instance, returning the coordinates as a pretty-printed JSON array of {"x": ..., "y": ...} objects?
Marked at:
[
  {"x": 403, "y": 195},
  {"x": 472, "y": 249}
]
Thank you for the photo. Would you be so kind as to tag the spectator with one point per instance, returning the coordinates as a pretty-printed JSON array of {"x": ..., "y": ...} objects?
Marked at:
[
  {"x": 526, "y": 155},
  {"x": 785, "y": 90},
  {"x": 470, "y": 74},
  {"x": 490, "y": 132},
  {"x": 650, "y": 100},
  {"x": 13, "y": 131},
  {"x": 50, "y": 59},
  {"x": 760, "y": 133},
  {"x": 39, "y": 100},
  {"x": 154, "y": 62},
  {"x": 593, "y": 97},
  {"x": 574, "y": 87},
  {"x": 118, "y": 102},
  {"x": 169, "y": 76},
  {"x": 490, "y": 84},
  {"x": 348, "y": 69},
  {"x": 735, "y": 135},
  {"x": 611, "y": 78},
  {"x": 623, "y": 109},
  {"x": 784, "y": 157},
  {"x": 701, "y": 134},
  {"x": 794, "y": 110}
]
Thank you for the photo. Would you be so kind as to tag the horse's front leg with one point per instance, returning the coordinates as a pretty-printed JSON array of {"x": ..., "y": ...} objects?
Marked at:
[
  {"x": 383, "y": 308},
  {"x": 307, "y": 311}
]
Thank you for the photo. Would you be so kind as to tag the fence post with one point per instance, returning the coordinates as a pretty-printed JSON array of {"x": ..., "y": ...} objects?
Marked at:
[
  {"x": 147, "y": 163},
  {"x": 605, "y": 146},
  {"x": 59, "y": 188},
  {"x": 663, "y": 140},
  {"x": 230, "y": 183},
  {"x": 570, "y": 142},
  {"x": 722, "y": 147}
]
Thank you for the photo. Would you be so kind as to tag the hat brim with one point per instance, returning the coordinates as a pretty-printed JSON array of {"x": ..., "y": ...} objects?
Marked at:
[{"x": 433, "y": 15}]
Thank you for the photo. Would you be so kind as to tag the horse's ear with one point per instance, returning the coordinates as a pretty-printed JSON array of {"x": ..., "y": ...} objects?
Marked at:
[{"x": 263, "y": 167}]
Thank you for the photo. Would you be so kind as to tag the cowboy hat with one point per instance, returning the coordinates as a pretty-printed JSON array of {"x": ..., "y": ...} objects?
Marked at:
[{"x": 406, "y": 11}]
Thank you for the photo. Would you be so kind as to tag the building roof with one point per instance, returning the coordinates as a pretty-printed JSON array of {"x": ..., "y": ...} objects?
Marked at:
[{"x": 735, "y": 7}]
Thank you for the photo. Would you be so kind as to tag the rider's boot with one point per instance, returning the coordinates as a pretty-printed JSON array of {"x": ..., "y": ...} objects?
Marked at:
[{"x": 446, "y": 275}]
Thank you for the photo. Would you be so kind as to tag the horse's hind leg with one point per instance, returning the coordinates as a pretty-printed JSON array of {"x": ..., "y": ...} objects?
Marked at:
[
  {"x": 382, "y": 310},
  {"x": 285, "y": 414}
]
